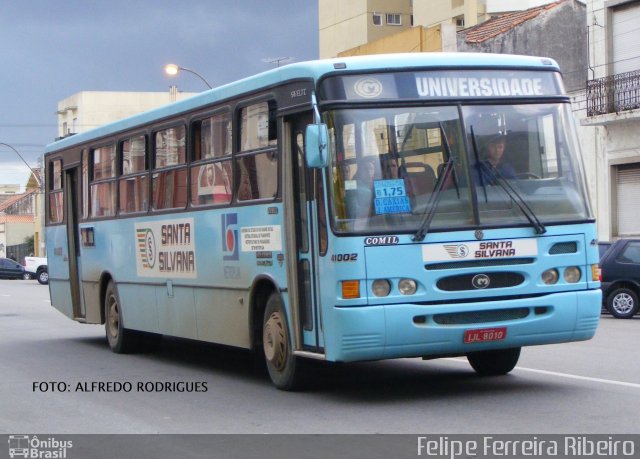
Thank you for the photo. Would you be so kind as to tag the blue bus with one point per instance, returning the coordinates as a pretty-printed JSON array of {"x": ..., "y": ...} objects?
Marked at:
[{"x": 409, "y": 205}]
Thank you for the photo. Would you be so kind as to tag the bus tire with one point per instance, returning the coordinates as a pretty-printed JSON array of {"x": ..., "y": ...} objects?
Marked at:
[
  {"x": 121, "y": 340},
  {"x": 276, "y": 344},
  {"x": 494, "y": 363}
]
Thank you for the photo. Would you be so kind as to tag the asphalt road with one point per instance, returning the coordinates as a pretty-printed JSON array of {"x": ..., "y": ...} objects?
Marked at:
[{"x": 52, "y": 368}]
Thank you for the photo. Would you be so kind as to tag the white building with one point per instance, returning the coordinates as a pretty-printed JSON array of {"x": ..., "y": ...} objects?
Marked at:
[
  {"x": 89, "y": 109},
  {"x": 611, "y": 115}
]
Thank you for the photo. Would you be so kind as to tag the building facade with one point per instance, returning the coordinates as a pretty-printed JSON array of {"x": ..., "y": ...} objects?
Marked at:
[
  {"x": 466, "y": 13},
  {"x": 347, "y": 24},
  {"x": 17, "y": 223},
  {"x": 537, "y": 31},
  {"x": 611, "y": 112},
  {"x": 356, "y": 27},
  {"x": 89, "y": 109}
]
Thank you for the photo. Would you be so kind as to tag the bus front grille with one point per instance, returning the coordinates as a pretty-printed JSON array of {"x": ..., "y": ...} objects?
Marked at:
[
  {"x": 476, "y": 281},
  {"x": 478, "y": 317},
  {"x": 478, "y": 263}
]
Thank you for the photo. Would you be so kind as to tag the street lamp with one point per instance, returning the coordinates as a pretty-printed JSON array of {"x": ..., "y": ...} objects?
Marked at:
[
  {"x": 23, "y": 160},
  {"x": 173, "y": 69}
]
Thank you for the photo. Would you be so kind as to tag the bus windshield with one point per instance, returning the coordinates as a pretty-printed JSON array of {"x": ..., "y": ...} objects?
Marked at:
[{"x": 509, "y": 165}]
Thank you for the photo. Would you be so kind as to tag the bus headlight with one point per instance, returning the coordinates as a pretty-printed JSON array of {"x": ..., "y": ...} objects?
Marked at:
[
  {"x": 550, "y": 276},
  {"x": 572, "y": 274},
  {"x": 407, "y": 286},
  {"x": 381, "y": 287}
]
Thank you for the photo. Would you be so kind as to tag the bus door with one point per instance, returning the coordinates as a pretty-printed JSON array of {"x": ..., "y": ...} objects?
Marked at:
[
  {"x": 304, "y": 278},
  {"x": 71, "y": 200}
]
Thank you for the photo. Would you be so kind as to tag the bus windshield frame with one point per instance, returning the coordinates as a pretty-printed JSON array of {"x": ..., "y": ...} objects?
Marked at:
[{"x": 387, "y": 162}]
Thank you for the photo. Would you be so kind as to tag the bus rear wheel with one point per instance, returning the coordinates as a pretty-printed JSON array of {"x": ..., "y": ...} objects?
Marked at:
[
  {"x": 493, "y": 363},
  {"x": 121, "y": 340},
  {"x": 282, "y": 365}
]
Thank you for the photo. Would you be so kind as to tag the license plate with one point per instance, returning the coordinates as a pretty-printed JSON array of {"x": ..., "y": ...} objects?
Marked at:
[{"x": 485, "y": 334}]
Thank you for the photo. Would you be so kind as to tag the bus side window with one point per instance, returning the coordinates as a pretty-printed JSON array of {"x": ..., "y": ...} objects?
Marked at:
[
  {"x": 103, "y": 185},
  {"x": 257, "y": 162},
  {"x": 169, "y": 184},
  {"x": 134, "y": 182},
  {"x": 211, "y": 176},
  {"x": 56, "y": 204}
]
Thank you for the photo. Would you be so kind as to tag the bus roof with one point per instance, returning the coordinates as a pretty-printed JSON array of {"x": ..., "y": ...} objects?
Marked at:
[{"x": 311, "y": 70}]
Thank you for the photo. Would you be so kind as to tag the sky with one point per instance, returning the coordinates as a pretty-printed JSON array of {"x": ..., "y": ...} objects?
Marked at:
[{"x": 51, "y": 50}]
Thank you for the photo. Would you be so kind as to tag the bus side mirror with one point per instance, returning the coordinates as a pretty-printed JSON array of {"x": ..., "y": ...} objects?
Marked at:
[{"x": 316, "y": 138}]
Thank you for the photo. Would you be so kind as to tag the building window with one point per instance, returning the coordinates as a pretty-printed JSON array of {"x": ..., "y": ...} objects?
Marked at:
[
  {"x": 394, "y": 19},
  {"x": 377, "y": 19}
]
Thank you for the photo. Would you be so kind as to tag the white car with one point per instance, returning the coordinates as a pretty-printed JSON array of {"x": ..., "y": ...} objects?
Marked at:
[{"x": 36, "y": 267}]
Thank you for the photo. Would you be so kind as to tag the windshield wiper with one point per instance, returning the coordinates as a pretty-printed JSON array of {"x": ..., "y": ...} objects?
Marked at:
[
  {"x": 434, "y": 199},
  {"x": 497, "y": 177}
]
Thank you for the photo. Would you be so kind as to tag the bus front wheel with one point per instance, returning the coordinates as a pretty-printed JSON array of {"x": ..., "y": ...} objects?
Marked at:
[
  {"x": 493, "y": 363},
  {"x": 281, "y": 363},
  {"x": 121, "y": 340}
]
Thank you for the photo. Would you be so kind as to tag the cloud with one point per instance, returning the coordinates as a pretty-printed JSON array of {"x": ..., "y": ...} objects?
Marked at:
[{"x": 54, "y": 50}]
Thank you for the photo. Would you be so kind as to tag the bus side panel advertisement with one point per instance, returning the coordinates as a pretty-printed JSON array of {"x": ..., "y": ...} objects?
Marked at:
[{"x": 166, "y": 248}]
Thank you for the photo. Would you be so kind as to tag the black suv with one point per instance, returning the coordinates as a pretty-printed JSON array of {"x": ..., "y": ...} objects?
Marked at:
[{"x": 620, "y": 276}]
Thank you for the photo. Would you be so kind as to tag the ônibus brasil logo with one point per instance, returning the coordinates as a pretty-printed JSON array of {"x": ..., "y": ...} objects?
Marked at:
[
  {"x": 32, "y": 446},
  {"x": 147, "y": 247}
]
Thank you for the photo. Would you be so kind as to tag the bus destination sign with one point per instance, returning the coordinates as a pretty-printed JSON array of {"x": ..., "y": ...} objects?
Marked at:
[{"x": 444, "y": 84}]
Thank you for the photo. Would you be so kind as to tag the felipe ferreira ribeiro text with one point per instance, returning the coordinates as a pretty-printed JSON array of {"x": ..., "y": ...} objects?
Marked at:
[
  {"x": 117, "y": 386},
  {"x": 488, "y": 446}
]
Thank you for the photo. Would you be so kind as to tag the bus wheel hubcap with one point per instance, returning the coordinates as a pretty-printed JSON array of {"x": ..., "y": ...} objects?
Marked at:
[
  {"x": 113, "y": 318},
  {"x": 275, "y": 341}
]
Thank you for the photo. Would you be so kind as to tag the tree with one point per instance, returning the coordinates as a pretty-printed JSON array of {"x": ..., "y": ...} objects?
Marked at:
[{"x": 29, "y": 241}]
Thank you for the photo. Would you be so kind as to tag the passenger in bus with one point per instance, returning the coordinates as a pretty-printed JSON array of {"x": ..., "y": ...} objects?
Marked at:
[
  {"x": 494, "y": 158},
  {"x": 392, "y": 169},
  {"x": 366, "y": 171},
  {"x": 360, "y": 199}
]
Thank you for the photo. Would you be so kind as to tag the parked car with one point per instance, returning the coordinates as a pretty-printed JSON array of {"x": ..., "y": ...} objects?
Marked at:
[
  {"x": 620, "y": 277},
  {"x": 36, "y": 268},
  {"x": 10, "y": 269},
  {"x": 603, "y": 247}
]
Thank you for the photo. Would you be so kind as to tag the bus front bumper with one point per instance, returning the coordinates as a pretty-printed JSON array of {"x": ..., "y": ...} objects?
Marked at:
[{"x": 413, "y": 330}]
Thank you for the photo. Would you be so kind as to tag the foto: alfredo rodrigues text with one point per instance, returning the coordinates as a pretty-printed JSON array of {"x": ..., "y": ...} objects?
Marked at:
[{"x": 120, "y": 386}]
